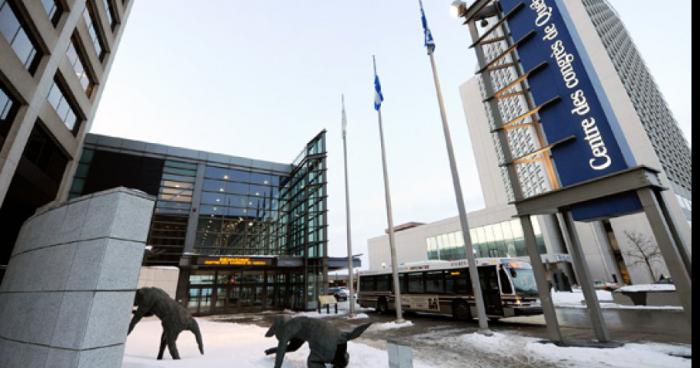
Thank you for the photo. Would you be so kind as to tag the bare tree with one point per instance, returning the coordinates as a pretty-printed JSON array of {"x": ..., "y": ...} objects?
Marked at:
[{"x": 643, "y": 251}]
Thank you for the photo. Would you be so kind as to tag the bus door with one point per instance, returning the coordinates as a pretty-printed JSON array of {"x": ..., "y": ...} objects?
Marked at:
[{"x": 489, "y": 286}]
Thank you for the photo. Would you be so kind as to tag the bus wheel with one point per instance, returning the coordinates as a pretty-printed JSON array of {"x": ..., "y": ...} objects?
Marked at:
[
  {"x": 382, "y": 306},
  {"x": 460, "y": 311}
]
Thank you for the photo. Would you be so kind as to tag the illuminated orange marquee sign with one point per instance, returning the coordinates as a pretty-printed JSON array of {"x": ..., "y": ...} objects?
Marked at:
[{"x": 235, "y": 261}]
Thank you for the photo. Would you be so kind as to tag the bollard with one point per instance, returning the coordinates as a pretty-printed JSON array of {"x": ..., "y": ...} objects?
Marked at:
[{"x": 400, "y": 356}]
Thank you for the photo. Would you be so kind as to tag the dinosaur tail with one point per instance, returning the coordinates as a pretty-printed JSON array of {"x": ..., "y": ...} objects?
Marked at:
[
  {"x": 195, "y": 330},
  {"x": 356, "y": 332}
]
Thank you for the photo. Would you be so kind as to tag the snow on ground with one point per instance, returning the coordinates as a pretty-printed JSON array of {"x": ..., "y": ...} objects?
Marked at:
[
  {"x": 229, "y": 345},
  {"x": 628, "y": 356},
  {"x": 575, "y": 299},
  {"x": 389, "y": 325},
  {"x": 646, "y": 287},
  {"x": 565, "y": 298}
]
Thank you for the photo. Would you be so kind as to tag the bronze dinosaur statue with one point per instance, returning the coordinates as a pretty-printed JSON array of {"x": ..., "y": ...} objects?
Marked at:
[
  {"x": 327, "y": 343},
  {"x": 173, "y": 316}
]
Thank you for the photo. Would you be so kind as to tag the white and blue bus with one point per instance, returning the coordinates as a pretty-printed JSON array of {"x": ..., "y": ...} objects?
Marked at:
[{"x": 444, "y": 287}]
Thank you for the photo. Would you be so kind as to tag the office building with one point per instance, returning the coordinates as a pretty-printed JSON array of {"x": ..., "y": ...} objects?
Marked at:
[
  {"x": 55, "y": 57},
  {"x": 647, "y": 124},
  {"x": 246, "y": 234}
]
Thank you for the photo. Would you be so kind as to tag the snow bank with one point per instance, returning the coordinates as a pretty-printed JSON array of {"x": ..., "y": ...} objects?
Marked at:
[
  {"x": 646, "y": 288},
  {"x": 576, "y": 297},
  {"x": 390, "y": 325},
  {"x": 230, "y": 345},
  {"x": 627, "y": 356}
]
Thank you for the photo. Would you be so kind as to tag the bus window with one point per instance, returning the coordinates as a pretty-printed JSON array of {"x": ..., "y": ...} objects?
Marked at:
[
  {"x": 368, "y": 283},
  {"x": 523, "y": 280},
  {"x": 415, "y": 282},
  {"x": 505, "y": 282},
  {"x": 383, "y": 283},
  {"x": 458, "y": 282},
  {"x": 434, "y": 282},
  {"x": 403, "y": 283}
]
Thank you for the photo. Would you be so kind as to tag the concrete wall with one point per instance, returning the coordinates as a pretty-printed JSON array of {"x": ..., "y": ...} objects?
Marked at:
[
  {"x": 66, "y": 298},
  {"x": 164, "y": 277}
]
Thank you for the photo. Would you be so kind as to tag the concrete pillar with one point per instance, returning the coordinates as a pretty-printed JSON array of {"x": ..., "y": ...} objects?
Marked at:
[{"x": 67, "y": 294}]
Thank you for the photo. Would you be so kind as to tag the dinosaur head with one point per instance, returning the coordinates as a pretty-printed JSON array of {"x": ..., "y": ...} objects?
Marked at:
[{"x": 276, "y": 325}]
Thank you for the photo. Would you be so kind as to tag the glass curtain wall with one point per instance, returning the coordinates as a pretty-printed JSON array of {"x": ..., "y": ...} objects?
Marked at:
[
  {"x": 303, "y": 221},
  {"x": 238, "y": 213},
  {"x": 504, "y": 239}
]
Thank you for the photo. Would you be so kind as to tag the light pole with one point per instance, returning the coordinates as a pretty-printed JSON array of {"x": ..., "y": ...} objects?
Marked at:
[{"x": 351, "y": 301}]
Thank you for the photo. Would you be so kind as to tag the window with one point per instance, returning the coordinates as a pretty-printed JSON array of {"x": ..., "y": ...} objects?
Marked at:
[
  {"x": 383, "y": 283},
  {"x": 53, "y": 10},
  {"x": 77, "y": 61},
  {"x": 64, "y": 109},
  {"x": 458, "y": 282},
  {"x": 415, "y": 282},
  {"x": 89, "y": 16},
  {"x": 434, "y": 282},
  {"x": 505, "y": 283},
  {"x": 8, "y": 110},
  {"x": 109, "y": 9},
  {"x": 367, "y": 283},
  {"x": 16, "y": 35}
]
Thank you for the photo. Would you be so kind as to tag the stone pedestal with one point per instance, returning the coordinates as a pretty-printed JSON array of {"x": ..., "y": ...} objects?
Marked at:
[{"x": 66, "y": 298}]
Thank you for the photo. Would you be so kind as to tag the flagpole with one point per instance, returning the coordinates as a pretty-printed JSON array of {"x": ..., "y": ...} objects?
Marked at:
[
  {"x": 351, "y": 301},
  {"x": 468, "y": 248},
  {"x": 389, "y": 219}
]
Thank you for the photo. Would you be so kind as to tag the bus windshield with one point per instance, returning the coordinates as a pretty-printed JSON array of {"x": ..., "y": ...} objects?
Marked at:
[{"x": 523, "y": 281}]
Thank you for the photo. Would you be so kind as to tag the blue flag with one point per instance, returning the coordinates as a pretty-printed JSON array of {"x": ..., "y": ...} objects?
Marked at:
[
  {"x": 429, "y": 42},
  {"x": 378, "y": 97}
]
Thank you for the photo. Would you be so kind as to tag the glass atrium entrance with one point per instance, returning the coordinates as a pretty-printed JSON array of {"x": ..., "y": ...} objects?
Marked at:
[{"x": 241, "y": 290}]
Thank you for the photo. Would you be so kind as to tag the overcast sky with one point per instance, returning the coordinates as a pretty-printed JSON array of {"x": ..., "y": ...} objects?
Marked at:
[{"x": 261, "y": 78}]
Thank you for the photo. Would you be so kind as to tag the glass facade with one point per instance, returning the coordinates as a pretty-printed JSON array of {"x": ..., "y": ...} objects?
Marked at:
[
  {"x": 208, "y": 210},
  {"x": 16, "y": 35},
  {"x": 239, "y": 211},
  {"x": 504, "y": 239}
]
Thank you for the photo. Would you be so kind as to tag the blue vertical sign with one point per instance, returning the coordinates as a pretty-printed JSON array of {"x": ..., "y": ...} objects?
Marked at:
[{"x": 542, "y": 36}]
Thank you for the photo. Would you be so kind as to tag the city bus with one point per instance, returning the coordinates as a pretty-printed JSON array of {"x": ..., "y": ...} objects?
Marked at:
[{"x": 444, "y": 287}]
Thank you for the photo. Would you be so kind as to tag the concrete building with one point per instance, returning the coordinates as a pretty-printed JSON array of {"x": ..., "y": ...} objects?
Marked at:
[
  {"x": 55, "y": 57},
  {"x": 646, "y": 122},
  {"x": 245, "y": 234}
]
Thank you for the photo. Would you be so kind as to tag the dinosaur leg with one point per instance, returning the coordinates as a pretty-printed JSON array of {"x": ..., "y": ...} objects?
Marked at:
[
  {"x": 162, "y": 346},
  {"x": 170, "y": 338},
  {"x": 315, "y": 361},
  {"x": 341, "y": 358}
]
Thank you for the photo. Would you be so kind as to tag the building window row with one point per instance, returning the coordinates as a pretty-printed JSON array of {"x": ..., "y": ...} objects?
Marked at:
[
  {"x": 504, "y": 239},
  {"x": 65, "y": 110},
  {"x": 16, "y": 35}
]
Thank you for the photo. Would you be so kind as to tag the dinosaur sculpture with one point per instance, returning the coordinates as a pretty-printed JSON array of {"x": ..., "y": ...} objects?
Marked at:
[
  {"x": 327, "y": 343},
  {"x": 173, "y": 316}
]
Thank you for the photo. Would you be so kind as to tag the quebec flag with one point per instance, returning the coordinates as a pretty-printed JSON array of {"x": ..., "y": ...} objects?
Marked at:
[
  {"x": 378, "y": 97},
  {"x": 429, "y": 42}
]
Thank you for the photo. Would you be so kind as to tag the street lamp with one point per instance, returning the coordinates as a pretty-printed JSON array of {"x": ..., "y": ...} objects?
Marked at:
[{"x": 458, "y": 8}]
